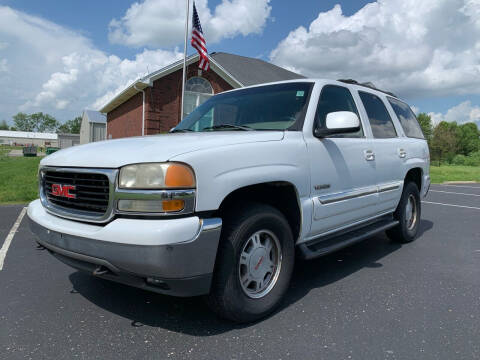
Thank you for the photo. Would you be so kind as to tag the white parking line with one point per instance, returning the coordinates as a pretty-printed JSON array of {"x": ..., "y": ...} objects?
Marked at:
[
  {"x": 460, "y": 206},
  {"x": 9, "y": 238},
  {"x": 462, "y": 186},
  {"x": 452, "y": 192}
]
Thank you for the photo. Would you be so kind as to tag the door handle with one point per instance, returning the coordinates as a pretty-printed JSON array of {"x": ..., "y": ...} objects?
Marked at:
[
  {"x": 369, "y": 155},
  {"x": 402, "y": 153}
]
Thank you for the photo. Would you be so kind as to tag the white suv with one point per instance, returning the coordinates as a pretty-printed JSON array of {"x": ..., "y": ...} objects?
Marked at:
[{"x": 221, "y": 205}]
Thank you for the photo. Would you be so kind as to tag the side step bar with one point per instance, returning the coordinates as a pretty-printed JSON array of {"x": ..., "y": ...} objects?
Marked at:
[{"x": 330, "y": 243}]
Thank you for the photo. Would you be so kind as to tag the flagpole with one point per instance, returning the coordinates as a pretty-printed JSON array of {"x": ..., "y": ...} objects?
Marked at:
[{"x": 185, "y": 56}]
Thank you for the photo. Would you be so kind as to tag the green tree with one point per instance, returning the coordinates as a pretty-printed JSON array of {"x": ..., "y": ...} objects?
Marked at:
[
  {"x": 71, "y": 126},
  {"x": 23, "y": 122},
  {"x": 37, "y": 122},
  {"x": 3, "y": 125},
  {"x": 45, "y": 122},
  {"x": 468, "y": 138},
  {"x": 425, "y": 122},
  {"x": 444, "y": 143}
]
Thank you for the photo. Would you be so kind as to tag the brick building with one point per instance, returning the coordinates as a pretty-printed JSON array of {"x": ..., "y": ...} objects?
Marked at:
[{"x": 153, "y": 104}]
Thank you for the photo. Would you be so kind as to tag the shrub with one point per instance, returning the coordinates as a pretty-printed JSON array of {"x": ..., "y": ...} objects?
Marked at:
[
  {"x": 459, "y": 160},
  {"x": 471, "y": 160}
]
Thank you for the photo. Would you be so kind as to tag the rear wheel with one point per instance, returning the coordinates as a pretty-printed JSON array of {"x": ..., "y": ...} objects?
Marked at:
[
  {"x": 254, "y": 263},
  {"x": 408, "y": 215}
]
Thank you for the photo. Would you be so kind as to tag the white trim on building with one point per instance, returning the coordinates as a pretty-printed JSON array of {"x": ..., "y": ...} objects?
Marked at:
[{"x": 27, "y": 135}]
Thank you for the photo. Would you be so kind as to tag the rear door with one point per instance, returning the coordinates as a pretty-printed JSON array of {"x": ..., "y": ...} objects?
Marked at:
[{"x": 388, "y": 151}]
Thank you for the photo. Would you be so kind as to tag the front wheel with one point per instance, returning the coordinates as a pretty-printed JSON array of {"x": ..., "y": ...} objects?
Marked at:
[
  {"x": 254, "y": 263},
  {"x": 408, "y": 215}
]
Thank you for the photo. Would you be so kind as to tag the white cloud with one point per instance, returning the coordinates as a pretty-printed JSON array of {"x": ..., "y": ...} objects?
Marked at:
[
  {"x": 414, "y": 48},
  {"x": 462, "y": 113},
  {"x": 3, "y": 65},
  {"x": 161, "y": 22},
  {"x": 52, "y": 69}
]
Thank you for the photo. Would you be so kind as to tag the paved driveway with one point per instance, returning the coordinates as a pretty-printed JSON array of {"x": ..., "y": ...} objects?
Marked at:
[{"x": 375, "y": 300}]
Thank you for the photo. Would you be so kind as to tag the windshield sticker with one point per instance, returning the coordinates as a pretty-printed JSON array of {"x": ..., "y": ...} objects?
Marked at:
[{"x": 300, "y": 93}]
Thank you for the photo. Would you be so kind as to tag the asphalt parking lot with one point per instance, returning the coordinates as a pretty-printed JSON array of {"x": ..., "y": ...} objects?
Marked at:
[{"x": 375, "y": 300}]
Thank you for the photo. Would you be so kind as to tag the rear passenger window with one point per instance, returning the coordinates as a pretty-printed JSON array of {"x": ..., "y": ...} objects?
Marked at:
[
  {"x": 407, "y": 118},
  {"x": 380, "y": 120},
  {"x": 336, "y": 98}
]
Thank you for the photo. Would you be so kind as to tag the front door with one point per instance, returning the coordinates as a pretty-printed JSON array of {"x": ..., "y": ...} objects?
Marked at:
[{"x": 343, "y": 171}]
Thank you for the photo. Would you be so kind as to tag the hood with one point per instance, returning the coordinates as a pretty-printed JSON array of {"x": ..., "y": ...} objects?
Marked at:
[{"x": 157, "y": 148}]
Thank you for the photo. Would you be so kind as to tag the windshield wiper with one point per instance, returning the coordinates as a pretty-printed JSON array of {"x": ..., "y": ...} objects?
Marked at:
[
  {"x": 228, "y": 126},
  {"x": 181, "y": 130}
]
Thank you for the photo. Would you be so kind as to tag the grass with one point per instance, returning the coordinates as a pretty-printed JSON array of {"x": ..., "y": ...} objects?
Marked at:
[
  {"x": 440, "y": 174},
  {"x": 18, "y": 179}
]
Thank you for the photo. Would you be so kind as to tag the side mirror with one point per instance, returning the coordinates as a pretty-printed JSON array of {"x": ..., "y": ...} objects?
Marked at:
[{"x": 339, "y": 122}]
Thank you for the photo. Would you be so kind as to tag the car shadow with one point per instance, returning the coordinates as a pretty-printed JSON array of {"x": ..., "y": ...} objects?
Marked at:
[
  {"x": 192, "y": 316},
  {"x": 326, "y": 270}
]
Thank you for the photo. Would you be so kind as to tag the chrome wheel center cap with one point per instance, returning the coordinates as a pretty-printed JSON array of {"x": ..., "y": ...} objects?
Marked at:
[{"x": 257, "y": 263}]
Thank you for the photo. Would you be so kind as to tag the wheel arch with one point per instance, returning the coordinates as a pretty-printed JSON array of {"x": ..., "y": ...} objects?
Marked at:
[
  {"x": 282, "y": 195},
  {"x": 414, "y": 175}
]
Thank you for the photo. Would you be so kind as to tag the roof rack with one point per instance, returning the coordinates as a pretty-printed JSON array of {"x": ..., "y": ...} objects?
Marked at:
[{"x": 367, "y": 85}]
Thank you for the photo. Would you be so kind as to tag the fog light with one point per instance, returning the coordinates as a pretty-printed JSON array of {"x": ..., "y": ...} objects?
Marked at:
[{"x": 151, "y": 206}]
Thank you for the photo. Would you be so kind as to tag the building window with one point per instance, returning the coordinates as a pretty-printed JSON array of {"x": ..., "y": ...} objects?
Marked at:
[{"x": 197, "y": 91}]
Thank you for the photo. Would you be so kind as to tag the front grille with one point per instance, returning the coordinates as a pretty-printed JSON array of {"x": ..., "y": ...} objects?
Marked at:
[{"x": 91, "y": 191}]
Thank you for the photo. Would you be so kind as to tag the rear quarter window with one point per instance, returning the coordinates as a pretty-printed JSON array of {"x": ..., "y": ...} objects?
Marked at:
[{"x": 407, "y": 119}]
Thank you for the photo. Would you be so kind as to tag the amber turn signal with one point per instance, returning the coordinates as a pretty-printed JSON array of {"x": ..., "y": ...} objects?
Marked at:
[
  {"x": 173, "y": 205},
  {"x": 179, "y": 176}
]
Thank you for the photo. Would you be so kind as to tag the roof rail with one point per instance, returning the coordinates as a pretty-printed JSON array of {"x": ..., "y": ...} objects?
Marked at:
[{"x": 367, "y": 85}]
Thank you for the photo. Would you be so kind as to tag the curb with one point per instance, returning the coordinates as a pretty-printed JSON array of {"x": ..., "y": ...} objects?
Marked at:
[{"x": 459, "y": 182}]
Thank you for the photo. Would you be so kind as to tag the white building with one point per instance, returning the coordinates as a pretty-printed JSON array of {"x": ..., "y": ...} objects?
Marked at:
[
  {"x": 93, "y": 127},
  {"x": 67, "y": 140},
  {"x": 22, "y": 138}
]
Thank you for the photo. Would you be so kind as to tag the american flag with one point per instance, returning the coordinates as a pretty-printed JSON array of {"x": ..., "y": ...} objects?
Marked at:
[{"x": 198, "y": 41}]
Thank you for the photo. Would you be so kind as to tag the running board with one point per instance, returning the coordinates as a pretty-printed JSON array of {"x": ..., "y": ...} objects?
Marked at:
[{"x": 330, "y": 243}]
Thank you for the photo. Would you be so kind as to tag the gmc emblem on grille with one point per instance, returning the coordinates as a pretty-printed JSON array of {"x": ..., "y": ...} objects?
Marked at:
[{"x": 63, "y": 190}]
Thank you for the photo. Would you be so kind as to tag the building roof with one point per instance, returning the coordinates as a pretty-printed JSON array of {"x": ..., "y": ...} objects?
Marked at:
[
  {"x": 95, "y": 116},
  {"x": 251, "y": 71},
  {"x": 28, "y": 135},
  {"x": 238, "y": 71},
  {"x": 68, "y": 135}
]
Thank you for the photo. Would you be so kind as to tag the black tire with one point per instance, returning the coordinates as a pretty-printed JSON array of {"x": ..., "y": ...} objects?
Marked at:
[
  {"x": 404, "y": 233},
  {"x": 227, "y": 298}
]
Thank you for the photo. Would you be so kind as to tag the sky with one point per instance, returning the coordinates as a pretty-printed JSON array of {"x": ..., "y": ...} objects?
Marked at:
[{"x": 60, "y": 57}]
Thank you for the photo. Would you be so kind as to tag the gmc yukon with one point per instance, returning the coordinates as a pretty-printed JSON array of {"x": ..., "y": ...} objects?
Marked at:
[{"x": 249, "y": 181}]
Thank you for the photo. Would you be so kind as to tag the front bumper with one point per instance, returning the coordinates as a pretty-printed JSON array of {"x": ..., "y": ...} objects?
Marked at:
[{"x": 170, "y": 256}]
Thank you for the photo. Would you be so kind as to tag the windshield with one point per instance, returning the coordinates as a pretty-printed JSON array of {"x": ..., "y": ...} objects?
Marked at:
[{"x": 269, "y": 107}]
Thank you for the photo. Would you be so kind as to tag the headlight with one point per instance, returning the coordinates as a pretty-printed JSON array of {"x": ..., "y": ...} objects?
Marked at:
[{"x": 156, "y": 176}]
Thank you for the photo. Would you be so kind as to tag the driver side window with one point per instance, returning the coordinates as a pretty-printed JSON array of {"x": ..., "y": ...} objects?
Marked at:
[{"x": 336, "y": 98}]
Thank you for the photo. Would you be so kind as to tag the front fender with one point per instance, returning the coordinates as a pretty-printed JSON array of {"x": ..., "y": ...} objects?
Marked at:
[{"x": 220, "y": 171}]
